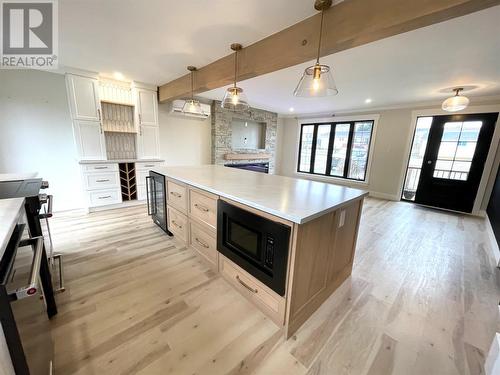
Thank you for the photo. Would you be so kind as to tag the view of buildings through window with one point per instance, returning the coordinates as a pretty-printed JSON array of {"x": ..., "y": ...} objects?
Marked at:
[{"x": 335, "y": 149}]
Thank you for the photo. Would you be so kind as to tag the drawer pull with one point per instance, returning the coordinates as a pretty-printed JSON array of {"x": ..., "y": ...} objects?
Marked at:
[
  {"x": 175, "y": 194},
  {"x": 206, "y": 246},
  {"x": 149, "y": 165},
  {"x": 100, "y": 167},
  {"x": 103, "y": 180},
  {"x": 245, "y": 285},
  {"x": 104, "y": 197},
  {"x": 177, "y": 225},
  {"x": 201, "y": 208}
]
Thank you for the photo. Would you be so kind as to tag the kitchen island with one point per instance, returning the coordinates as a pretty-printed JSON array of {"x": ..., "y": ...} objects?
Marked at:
[{"x": 247, "y": 224}]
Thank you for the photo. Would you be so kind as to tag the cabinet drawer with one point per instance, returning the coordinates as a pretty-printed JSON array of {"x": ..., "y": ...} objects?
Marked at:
[
  {"x": 266, "y": 299},
  {"x": 106, "y": 180},
  {"x": 177, "y": 224},
  {"x": 147, "y": 165},
  {"x": 203, "y": 207},
  {"x": 204, "y": 243},
  {"x": 177, "y": 196},
  {"x": 104, "y": 197},
  {"x": 100, "y": 167}
]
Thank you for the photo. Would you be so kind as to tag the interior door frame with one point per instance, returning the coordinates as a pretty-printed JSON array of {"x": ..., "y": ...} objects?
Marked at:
[{"x": 488, "y": 165}]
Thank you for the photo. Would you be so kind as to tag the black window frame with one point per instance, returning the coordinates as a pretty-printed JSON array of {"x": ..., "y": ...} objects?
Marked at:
[{"x": 333, "y": 125}]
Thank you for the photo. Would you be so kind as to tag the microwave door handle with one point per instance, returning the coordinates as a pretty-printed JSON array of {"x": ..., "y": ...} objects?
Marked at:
[
  {"x": 31, "y": 287},
  {"x": 148, "y": 178}
]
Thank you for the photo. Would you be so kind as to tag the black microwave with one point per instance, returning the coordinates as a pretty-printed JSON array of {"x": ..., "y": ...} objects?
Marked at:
[{"x": 257, "y": 244}]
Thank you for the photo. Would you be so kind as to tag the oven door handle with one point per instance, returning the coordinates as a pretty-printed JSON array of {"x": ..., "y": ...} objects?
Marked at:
[
  {"x": 147, "y": 194},
  {"x": 48, "y": 214},
  {"x": 31, "y": 287}
]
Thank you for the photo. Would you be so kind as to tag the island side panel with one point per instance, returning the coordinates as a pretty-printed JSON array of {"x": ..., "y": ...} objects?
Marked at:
[{"x": 322, "y": 257}]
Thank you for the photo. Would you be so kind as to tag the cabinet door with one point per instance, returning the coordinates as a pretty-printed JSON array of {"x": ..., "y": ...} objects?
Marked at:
[
  {"x": 83, "y": 93},
  {"x": 89, "y": 140},
  {"x": 147, "y": 142},
  {"x": 147, "y": 105}
]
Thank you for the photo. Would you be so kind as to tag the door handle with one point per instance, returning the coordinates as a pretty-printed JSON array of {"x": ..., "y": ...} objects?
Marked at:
[
  {"x": 246, "y": 285},
  {"x": 429, "y": 161},
  {"x": 201, "y": 208}
]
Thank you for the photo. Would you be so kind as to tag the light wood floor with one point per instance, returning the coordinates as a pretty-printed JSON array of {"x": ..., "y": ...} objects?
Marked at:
[{"x": 423, "y": 299}]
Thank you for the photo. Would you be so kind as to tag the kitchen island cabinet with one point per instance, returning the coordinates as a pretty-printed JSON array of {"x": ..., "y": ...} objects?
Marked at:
[{"x": 322, "y": 221}]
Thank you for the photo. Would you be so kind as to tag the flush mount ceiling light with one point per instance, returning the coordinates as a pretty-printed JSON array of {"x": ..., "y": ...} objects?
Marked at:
[
  {"x": 455, "y": 103},
  {"x": 235, "y": 99},
  {"x": 192, "y": 106},
  {"x": 317, "y": 80}
]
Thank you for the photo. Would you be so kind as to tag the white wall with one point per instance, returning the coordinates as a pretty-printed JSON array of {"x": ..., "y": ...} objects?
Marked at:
[
  {"x": 390, "y": 154},
  {"x": 183, "y": 140},
  {"x": 36, "y": 133}
]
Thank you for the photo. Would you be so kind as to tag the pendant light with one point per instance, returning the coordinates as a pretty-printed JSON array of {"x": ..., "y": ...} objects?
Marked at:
[
  {"x": 192, "y": 106},
  {"x": 234, "y": 98},
  {"x": 317, "y": 80},
  {"x": 455, "y": 103}
]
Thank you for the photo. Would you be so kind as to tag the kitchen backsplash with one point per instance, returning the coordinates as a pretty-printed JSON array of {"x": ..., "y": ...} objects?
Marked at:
[{"x": 120, "y": 146}]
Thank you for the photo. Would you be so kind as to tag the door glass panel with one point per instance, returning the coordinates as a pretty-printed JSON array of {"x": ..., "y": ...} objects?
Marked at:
[
  {"x": 416, "y": 157},
  {"x": 306, "y": 148},
  {"x": 159, "y": 199},
  {"x": 456, "y": 151},
  {"x": 359, "y": 151},
  {"x": 340, "y": 149},
  {"x": 322, "y": 141}
]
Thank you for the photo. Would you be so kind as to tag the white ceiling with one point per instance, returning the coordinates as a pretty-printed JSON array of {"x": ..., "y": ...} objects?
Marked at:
[
  {"x": 153, "y": 41},
  {"x": 408, "y": 68}
]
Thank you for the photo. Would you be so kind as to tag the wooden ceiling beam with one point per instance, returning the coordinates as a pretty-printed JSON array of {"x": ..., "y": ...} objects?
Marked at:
[{"x": 348, "y": 24}]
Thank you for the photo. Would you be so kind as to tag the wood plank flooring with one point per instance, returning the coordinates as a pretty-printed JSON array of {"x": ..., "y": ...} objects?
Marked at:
[{"x": 423, "y": 299}]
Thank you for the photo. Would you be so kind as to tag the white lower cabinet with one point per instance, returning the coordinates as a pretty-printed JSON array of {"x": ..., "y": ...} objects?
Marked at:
[{"x": 104, "y": 197}]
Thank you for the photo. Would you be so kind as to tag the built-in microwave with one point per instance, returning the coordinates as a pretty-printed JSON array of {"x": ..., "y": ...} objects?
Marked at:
[{"x": 257, "y": 244}]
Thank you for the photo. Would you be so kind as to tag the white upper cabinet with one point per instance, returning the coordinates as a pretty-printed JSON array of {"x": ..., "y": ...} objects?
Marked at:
[
  {"x": 147, "y": 107},
  {"x": 148, "y": 145},
  {"x": 83, "y": 93},
  {"x": 89, "y": 139}
]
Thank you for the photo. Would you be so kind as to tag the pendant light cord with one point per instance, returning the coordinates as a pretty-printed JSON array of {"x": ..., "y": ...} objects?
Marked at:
[
  {"x": 192, "y": 89},
  {"x": 320, "y": 36},
  {"x": 235, "y": 67}
]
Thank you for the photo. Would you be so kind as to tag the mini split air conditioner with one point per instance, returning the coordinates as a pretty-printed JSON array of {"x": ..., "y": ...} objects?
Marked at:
[{"x": 177, "y": 106}]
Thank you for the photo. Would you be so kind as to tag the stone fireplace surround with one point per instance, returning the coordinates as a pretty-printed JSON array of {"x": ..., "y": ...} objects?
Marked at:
[{"x": 222, "y": 135}]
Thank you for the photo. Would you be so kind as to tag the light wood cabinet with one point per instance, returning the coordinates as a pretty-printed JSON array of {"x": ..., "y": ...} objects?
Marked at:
[
  {"x": 83, "y": 93},
  {"x": 177, "y": 224},
  {"x": 89, "y": 140},
  {"x": 204, "y": 243},
  {"x": 203, "y": 207},
  {"x": 177, "y": 195}
]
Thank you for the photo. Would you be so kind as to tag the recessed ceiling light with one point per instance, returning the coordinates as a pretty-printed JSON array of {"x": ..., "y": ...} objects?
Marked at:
[
  {"x": 291, "y": 109},
  {"x": 119, "y": 76},
  {"x": 368, "y": 101}
]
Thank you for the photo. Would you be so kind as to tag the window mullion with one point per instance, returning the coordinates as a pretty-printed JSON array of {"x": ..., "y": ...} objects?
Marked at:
[
  {"x": 330, "y": 150},
  {"x": 349, "y": 150},
  {"x": 313, "y": 148}
]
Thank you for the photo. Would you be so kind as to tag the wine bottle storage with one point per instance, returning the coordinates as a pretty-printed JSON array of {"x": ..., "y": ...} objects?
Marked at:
[{"x": 128, "y": 181}]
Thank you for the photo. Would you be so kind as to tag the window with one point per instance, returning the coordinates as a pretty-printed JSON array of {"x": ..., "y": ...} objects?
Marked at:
[
  {"x": 337, "y": 149},
  {"x": 456, "y": 150}
]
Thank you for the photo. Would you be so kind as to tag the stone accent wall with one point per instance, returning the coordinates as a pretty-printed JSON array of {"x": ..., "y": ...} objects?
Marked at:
[{"x": 222, "y": 134}]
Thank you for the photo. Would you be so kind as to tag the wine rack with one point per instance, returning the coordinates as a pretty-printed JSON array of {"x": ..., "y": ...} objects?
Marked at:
[{"x": 128, "y": 181}]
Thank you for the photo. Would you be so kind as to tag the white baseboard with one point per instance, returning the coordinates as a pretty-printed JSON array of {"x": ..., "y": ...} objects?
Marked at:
[
  {"x": 389, "y": 197},
  {"x": 493, "y": 241},
  {"x": 118, "y": 205}
]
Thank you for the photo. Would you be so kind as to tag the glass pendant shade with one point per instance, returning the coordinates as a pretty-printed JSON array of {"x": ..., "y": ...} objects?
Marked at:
[
  {"x": 235, "y": 100},
  {"x": 455, "y": 103},
  {"x": 192, "y": 106},
  {"x": 316, "y": 81}
]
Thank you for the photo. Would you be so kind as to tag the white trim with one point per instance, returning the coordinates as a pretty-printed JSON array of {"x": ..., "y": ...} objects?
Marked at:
[
  {"x": 389, "y": 197},
  {"x": 493, "y": 241},
  {"x": 331, "y": 179},
  {"x": 491, "y": 153}
]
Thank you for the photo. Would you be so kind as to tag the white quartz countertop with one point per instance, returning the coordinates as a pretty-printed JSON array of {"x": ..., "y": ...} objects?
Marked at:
[
  {"x": 120, "y": 161},
  {"x": 11, "y": 211},
  {"x": 293, "y": 199}
]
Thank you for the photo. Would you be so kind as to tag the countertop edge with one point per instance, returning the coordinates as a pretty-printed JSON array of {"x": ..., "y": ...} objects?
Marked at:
[
  {"x": 6, "y": 238},
  {"x": 297, "y": 220},
  {"x": 84, "y": 162}
]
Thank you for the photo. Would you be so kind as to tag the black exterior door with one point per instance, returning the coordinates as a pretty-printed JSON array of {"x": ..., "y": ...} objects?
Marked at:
[{"x": 454, "y": 160}]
